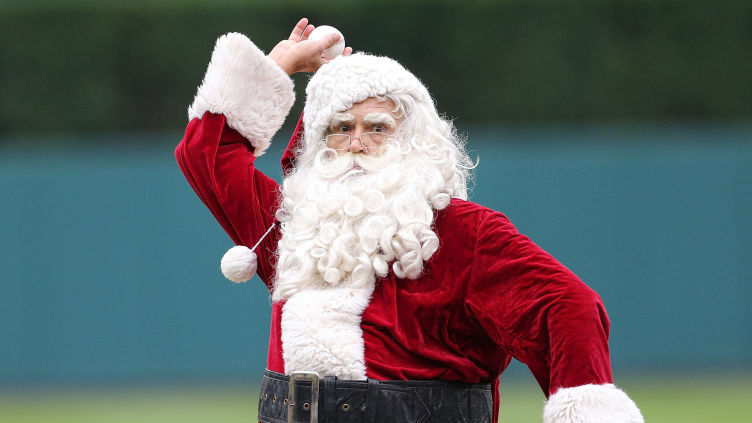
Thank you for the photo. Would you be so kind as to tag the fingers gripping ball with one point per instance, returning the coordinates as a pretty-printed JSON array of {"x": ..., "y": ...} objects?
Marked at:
[
  {"x": 324, "y": 30},
  {"x": 239, "y": 263}
]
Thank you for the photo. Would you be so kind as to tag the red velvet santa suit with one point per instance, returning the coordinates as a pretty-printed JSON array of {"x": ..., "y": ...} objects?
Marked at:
[{"x": 488, "y": 294}]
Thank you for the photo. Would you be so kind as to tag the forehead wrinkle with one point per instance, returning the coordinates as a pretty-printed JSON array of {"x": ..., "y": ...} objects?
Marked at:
[{"x": 383, "y": 118}]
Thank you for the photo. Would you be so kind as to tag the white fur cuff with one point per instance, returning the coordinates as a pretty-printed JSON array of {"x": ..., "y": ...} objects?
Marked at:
[
  {"x": 253, "y": 93},
  {"x": 591, "y": 404}
]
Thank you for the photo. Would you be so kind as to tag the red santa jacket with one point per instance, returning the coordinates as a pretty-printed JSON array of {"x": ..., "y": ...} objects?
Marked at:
[{"x": 489, "y": 294}]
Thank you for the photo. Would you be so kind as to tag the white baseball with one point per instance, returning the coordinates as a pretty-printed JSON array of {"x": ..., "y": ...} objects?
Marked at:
[{"x": 324, "y": 30}]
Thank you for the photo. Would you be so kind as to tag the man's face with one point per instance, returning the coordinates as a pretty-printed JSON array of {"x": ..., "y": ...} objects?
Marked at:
[{"x": 367, "y": 124}]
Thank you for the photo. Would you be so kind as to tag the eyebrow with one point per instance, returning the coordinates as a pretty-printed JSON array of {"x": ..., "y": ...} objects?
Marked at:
[
  {"x": 382, "y": 118},
  {"x": 340, "y": 118}
]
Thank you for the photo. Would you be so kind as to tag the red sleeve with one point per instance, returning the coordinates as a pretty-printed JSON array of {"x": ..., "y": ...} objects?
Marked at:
[
  {"x": 218, "y": 162},
  {"x": 537, "y": 309}
]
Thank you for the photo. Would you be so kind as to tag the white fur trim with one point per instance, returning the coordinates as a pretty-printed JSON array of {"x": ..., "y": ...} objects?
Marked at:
[
  {"x": 253, "y": 93},
  {"x": 591, "y": 404},
  {"x": 347, "y": 80},
  {"x": 321, "y": 332}
]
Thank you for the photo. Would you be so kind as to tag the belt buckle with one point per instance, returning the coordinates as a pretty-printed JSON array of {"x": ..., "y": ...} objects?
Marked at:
[{"x": 314, "y": 378}]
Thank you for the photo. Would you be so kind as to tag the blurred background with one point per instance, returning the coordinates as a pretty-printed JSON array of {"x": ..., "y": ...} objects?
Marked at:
[{"x": 616, "y": 134}]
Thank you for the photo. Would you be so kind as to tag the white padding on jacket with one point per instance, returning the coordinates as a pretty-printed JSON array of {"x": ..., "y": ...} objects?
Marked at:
[
  {"x": 253, "y": 93},
  {"x": 591, "y": 404}
]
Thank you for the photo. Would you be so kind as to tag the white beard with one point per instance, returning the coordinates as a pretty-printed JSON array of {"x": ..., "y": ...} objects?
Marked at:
[{"x": 341, "y": 227}]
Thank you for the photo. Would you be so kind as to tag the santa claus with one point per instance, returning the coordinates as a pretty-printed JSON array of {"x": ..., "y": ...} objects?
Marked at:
[{"x": 394, "y": 297}]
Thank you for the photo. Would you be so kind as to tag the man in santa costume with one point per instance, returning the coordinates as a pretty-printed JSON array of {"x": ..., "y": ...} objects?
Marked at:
[{"x": 395, "y": 299}]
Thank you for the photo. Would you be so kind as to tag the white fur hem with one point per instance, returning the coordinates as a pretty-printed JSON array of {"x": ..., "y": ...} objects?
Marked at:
[
  {"x": 253, "y": 93},
  {"x": 591, "y": 404},
  {"x": 321, "y": 332}
]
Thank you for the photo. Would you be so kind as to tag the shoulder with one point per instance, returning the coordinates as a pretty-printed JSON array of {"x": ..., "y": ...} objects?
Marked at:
[
  {"x": 464, "y": 213},
  {"x": 468, "y": 226}
]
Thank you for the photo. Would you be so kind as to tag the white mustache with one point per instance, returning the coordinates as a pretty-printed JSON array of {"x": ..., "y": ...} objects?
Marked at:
[{"x": 338, "y": 166}]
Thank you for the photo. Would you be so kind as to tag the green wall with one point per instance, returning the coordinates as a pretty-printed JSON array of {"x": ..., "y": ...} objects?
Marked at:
[
  {"x": 109, "y": 264},
  {"x": 73, "y": 65}
]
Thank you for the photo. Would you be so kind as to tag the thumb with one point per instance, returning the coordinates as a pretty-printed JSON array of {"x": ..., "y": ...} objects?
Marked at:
[{"x": 327, "y": 41}]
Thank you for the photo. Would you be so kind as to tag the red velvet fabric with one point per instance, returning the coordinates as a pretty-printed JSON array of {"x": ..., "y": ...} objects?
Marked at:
[{"x": 487, "y": 295}]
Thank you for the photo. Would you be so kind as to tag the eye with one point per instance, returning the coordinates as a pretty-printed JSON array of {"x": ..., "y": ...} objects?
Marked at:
[
  {"x": 379, "y": 128},
  {"x": 343, "y": 128}
]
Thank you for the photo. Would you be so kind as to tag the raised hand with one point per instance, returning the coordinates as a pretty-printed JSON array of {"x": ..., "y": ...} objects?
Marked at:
[{"x": 299, "y": 54}]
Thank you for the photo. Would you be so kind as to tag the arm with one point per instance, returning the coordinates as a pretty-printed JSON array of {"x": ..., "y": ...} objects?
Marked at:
[
  {"x": 539, "y": 311},
  {"x": 241, "y": 103}
]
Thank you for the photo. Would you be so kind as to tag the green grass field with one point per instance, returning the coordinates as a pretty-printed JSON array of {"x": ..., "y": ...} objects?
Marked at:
[{"x": 707, "y": 399}]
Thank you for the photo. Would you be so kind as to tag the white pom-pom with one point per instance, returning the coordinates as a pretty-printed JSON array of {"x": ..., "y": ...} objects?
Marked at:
[{"x": 239, "y": 263}]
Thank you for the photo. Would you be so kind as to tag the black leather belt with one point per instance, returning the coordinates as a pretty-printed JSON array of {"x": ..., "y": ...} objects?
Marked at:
[{"x": 310, "y": 399}]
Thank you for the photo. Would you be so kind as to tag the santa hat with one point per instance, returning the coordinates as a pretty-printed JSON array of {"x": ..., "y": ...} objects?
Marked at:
[{"x": 347, "y": 80}]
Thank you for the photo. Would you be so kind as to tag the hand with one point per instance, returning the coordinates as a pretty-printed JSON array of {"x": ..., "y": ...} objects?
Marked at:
[{"x": 299, "y": 54}]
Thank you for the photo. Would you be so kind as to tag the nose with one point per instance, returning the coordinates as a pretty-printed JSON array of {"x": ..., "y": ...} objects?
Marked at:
[{"x": 356, "y": 145}]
